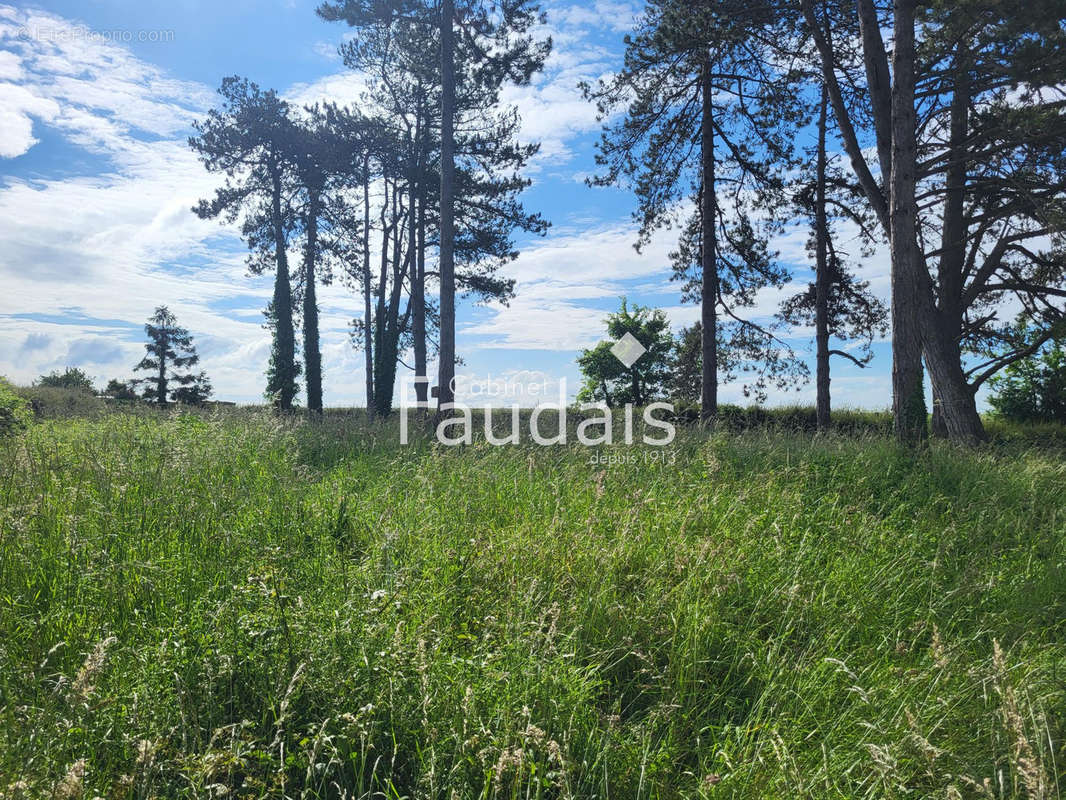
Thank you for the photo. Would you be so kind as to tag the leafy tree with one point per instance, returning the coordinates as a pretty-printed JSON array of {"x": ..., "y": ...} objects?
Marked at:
[
  {"x": 1033, "y": 389},
  {"x": 708, "y": 124},
  {"x": 118, "y": 389},
  {"x": 601, "y": 371},
  {"x": 170, "y": 352},
  {"x": 250, "y": 140},
  {"x": 608, "y": 380},
  {"x": 71, "y": 378}
]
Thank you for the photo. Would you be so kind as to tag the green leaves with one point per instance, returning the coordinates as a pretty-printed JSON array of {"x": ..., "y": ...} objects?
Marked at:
[{"x": 608, "y": 379}]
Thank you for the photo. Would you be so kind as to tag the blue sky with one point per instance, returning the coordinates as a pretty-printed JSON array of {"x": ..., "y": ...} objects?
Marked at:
[{"x": 96, "y": 101}]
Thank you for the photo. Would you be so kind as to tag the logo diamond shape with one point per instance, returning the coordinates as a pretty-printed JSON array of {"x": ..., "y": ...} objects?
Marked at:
[{"x": 628, "y": 350}]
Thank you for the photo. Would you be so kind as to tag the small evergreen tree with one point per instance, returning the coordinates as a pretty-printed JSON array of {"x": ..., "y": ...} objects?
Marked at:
[
  {"x": 195, "y": 393},
  {"x": 686, "y": 364},
  {"x": 121, "y": 390},
  {"x": 282, "y": 386},
  {"x": 170, "y": 353}
]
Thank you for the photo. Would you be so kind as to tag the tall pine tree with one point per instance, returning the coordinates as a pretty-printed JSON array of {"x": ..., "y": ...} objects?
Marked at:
[
  {"x": 708, "y": 125},
  {"x": 249, "y": 140}
]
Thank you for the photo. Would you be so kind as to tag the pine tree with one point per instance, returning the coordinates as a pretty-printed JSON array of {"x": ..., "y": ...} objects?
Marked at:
[
  {"x": 249, "y": 140},
  {"x": 968, "y": 184},
  {"x": 836, "y": 303},
  {"x": 170, "y": 352},
  {"x": 481, "y": 45},
  {"x": 322, "y": 173},
  {"x": 686, "y": 364},
  {"x": 708, "y": 124}
]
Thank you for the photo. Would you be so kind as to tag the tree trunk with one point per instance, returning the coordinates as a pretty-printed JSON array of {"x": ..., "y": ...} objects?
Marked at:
[
  {"x": 389, "y": 323},
  {"x": 312, "y": 351},
  {"x": 368, "y": 323},
  {"x": 957, "y": 402},
  {"x": 446, "y": 372},
  {"x": 908, "y": 393},
  {"x": 161, "y": 385},
  {"x": 848, "y": 137},
  {"x": 822, "y": 277},
  {"x": 708, "y": 256},
  {"x": 939, "y": 426},
  {"x": 954, "y": 402},
  {"x": 382, "y": 403},
  {"x": 915, "y": 321},
  {"x": 418, "y": 297},
  {"x": 953, "y": 230},
  {"x": 878, "y": 82},
  {"x": 284, "y": 335},
  {"x": 416, "y": 244}
]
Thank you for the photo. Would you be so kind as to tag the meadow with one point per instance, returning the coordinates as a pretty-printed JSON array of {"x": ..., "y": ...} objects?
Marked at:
[{"x": 229, "y": 604}]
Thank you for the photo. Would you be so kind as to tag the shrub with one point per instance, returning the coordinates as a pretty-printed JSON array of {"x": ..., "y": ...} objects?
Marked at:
[
  {"x": 14, "y": 410},
  {"x": 70, "y": 378},
  {"x": 50, "y": 402},
  {"x": 125, "y": 391}
]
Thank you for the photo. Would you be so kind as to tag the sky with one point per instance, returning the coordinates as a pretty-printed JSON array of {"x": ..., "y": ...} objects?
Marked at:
[{"x": 97, "y": 100}]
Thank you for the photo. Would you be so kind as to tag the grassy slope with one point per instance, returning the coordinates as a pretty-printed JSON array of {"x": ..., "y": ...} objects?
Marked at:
[{"x": 188, "y": 605}]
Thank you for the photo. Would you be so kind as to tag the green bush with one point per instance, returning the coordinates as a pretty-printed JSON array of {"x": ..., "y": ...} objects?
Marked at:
[
  {"x": 14, "y": 410},
  {"x": 53, "y": 402},
  {"x": 70, "y": 378},
  {"x": 787, "y": 419}
]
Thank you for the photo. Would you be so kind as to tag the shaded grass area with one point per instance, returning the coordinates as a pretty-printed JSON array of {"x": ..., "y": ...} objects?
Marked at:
[{"x": 232, "y": 605}]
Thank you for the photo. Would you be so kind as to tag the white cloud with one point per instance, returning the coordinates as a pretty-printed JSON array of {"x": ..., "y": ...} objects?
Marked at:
[
  {"x": 79, "y": 250},
  {"x": 343, "y": 88},
  {"x": 18, "y": 107},
  {"x": 618, "y": 16},
  {"x": 554, "y": 112}
]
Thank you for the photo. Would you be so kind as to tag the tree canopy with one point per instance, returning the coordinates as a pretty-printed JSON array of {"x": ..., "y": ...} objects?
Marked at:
[{"x": 609, "y": 379}]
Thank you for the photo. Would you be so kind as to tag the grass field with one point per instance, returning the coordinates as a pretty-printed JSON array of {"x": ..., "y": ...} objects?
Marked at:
[{"x": 235, "y": 606}]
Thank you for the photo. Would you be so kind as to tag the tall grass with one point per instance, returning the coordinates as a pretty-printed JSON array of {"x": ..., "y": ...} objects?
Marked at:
[{"x": 236, "y": 606}]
